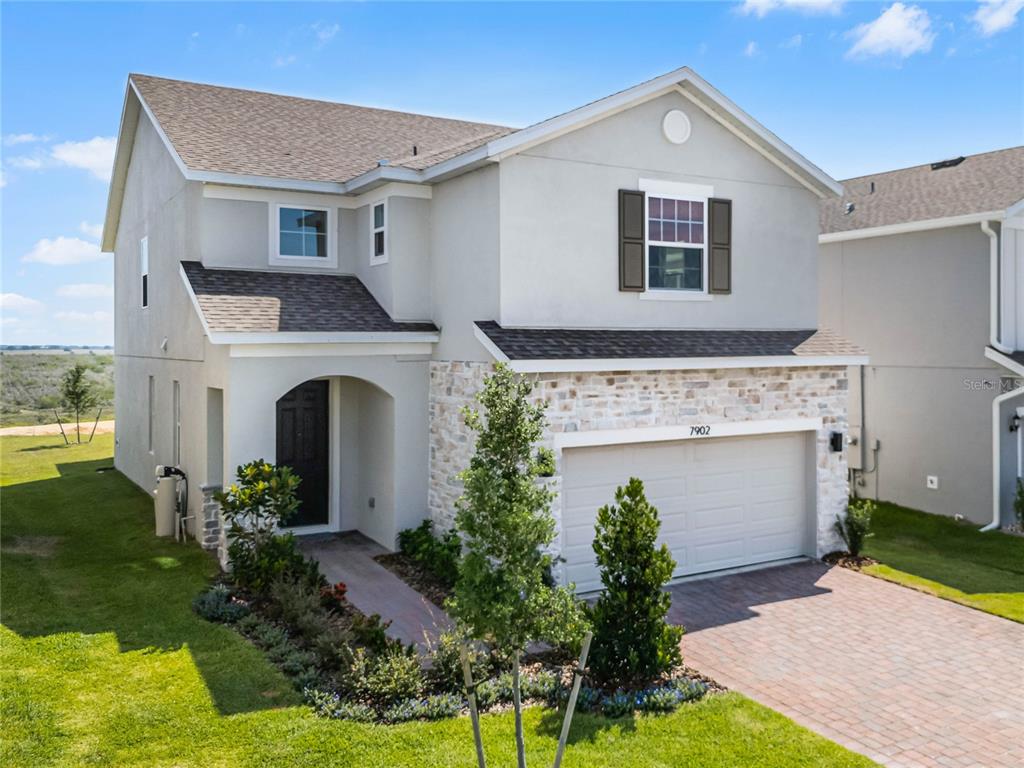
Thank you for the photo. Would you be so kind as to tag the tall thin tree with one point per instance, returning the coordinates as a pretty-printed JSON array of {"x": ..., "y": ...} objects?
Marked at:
[
  {"x": 505, "y": 521},
  {"x": 78, "y": 394}
]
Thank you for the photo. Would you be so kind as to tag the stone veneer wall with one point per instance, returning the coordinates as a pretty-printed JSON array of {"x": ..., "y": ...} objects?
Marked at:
[{"x": 623, "y": 400}]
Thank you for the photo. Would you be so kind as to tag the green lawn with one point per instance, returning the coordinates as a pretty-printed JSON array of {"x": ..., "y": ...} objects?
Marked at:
[
  {"x": 104, "y": 662},
  {"x": 949, "y": 559}
]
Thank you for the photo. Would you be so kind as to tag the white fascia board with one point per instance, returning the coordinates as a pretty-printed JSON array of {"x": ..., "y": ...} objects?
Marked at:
[
  {"x": 1007, "y": 362},
  {"x": 122, "y": 158},
  {"x": 325, "y": 337},
  {"x": 596, "y": 365},
  {"x": 160, "y": 132},
  {"x": 910, "y": 226},
  {"x": 264, "y": 195},
  {"x": 195, "y": 301},
  {"x": 715, "y": 429},
  {"x": 490, "y": 346},
  {"x": 1014, "y": 210},
  {"x": 403, "y": 349}
]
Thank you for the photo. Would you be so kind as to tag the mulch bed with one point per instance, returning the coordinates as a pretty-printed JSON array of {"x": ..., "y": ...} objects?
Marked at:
[
  {"x": 846, "y": 560},
  {"x": 409, "y": 571}
]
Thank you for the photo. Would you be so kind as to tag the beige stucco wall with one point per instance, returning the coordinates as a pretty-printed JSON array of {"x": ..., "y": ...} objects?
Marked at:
[
  {"x": 618, "y": 400},
  {"x": 919, "y": 304},
  {"x": 559, "y": 227}
]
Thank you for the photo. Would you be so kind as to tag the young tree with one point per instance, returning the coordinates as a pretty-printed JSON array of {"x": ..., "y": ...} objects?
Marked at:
[
  {"x": 504, "y": 517},
  {"x": 78, "y": 394},
  {"x": 632, "y": 641}
]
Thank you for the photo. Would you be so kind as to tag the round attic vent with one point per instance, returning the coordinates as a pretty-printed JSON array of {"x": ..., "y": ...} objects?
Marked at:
[{"x": 676, "y": 126}]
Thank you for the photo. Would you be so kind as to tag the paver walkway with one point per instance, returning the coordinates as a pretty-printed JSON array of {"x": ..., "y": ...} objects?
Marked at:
[
  {"x": 372, "y": 588},
  {"x": 900, "y": 676}
]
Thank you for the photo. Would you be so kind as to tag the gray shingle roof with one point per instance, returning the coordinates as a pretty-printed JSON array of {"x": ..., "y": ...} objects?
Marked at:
[
  {"x": 230, "y": 130},
  {"x": 992, "y": 181},
  {"x": 248, "y": 301},
  {"x": 592, "y": 344}
]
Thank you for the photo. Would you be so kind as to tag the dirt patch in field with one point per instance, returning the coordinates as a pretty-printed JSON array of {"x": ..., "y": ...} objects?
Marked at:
[{"x": 37, "y": 546}]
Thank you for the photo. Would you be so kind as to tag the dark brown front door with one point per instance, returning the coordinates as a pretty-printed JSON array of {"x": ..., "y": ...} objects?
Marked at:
[{"x": 302, "y": 445}]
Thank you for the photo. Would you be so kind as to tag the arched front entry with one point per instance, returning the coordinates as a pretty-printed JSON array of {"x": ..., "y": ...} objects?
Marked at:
[{"x": 303, "y": 443}]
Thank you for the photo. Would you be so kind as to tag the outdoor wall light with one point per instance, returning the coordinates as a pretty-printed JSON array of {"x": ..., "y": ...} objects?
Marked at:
[
  {"x": 1014, "y": 422},
  {"x": 835, "y": 441}
]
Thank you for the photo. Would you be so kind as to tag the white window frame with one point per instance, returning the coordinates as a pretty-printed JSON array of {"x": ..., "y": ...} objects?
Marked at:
[
  {"x": 145, "y": 289},
  {"x": 673, "y": 190},
  {"x": 382, "y": 258},
  {"x": 330, "y": 261}
]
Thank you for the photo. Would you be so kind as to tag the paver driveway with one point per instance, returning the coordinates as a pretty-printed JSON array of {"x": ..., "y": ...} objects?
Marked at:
[{"x": 902, "y": 677}]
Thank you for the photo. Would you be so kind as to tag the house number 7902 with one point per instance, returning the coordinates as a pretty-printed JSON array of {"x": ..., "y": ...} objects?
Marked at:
[{"x": 700, "y": 430}]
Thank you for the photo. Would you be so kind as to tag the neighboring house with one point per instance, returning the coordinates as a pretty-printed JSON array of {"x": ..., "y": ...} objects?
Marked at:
[
  {"x": 925, "y": 267},
  {"x": 325, "y": 286}
]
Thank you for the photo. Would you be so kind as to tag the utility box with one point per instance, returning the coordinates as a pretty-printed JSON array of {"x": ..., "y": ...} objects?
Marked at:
[{"x": 164, "y": 502}]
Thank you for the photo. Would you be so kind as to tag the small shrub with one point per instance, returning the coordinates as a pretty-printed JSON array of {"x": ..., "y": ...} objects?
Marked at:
[
  {"x": 277, "y": 559},
  {"x": 445, "y": 671},
  {"x": 278, "y": 652},
  {"x": 268, "y": 636},
  {"x": 690, "y": 689},
  {"x": 394, "y": 676},
  {"x": 618, "y": 704},
  {"x": 215, "y": 604},
  {"x": 439, "y": 555},
  {"x": 330, "y": 704},
  {"x": 295, "y": 662},
  {"x": 545, "y": 462},
  {"x": 856, "y": 527},
  {"x": 436, "y": 707},
  {"x": 334, "y": 649},
  {"x": 248, "y": 624},
  {"x": 632, "y": 641},
  {"x": 298, "y": 605},
  {"x": 307, "y": 678},
  {"x": 371, "y": 632},
  {"x": 663, "y": 699},
  {"x": 1018, "y": 503},
  {"x": 542, "y": 685}
]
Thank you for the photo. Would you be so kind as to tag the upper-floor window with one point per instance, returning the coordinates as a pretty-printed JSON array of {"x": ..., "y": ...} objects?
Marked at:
[
  {"x": 378, "y": 233},
  {"x": 144, "y": 270},
  {"x": 676, "y": 236},
  {"x": 302, "y": 235}
]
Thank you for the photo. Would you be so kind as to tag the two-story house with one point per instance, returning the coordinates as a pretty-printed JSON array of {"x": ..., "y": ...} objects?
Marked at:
[
  {"x": 924, "y": 266},
  {"x": 325, "y": 286}
]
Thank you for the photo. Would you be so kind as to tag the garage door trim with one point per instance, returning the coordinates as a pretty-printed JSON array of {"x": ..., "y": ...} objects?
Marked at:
[{"x": 683, "y": 432}]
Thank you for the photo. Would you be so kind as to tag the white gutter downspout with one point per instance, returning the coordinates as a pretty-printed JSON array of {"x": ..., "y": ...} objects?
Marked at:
[
  {"x": 993, "y": 324},
  {"x": 997, "y": 426}
]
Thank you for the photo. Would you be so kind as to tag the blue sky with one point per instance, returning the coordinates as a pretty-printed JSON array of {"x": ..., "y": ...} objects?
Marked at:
[{"x": 857, "y": 87}]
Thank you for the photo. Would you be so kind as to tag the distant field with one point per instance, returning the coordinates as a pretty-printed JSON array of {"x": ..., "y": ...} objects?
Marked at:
[{"x": 30, "y": 383}]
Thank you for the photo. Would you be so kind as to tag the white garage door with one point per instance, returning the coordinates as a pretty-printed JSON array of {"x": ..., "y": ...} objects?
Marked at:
[{"x": 722, "y": 503}]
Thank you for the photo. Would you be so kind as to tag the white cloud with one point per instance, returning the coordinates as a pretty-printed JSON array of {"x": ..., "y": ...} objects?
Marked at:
[
  {"x": 63, "y": 250},
  {"x": 284, "y": 61},
  {"x": 15, "y": 302},
  {"x": 762, "y": 8},
  {"x": 794, "y": 42},
  {"x": 324, "y": 32},
  {"x": 901, "y": 30},
  {"x": 95, "y": 155},
  {"x": 74, "y": 316},
  {"x": 95, "y": 231},
  {"x": 750, "y": 49},
  {"x": 994, "y": 16},
  {"x": 86, "y": 291},
  {"x": 11, "y": 139},
  {"x": 25, "y": 162}
]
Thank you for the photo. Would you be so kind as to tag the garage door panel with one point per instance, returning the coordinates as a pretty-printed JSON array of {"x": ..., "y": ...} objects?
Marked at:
[{"x": 722, "y": 502}]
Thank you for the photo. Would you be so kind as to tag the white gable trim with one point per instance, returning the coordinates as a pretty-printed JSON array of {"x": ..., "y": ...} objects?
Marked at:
[{"x": 1007, "y": 362}]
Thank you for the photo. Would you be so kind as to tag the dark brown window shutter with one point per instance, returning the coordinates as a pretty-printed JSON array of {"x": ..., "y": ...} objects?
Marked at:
[
  {"x": 720, "y": 234},
  {"x": 631, "y": 240}
]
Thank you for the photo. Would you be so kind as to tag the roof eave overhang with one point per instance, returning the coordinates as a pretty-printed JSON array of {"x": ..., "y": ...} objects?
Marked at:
[
  {"x": 590, "y": 365},
  {"x": 911, "y": 226},
  {"x": 1004, "y": 360}
]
